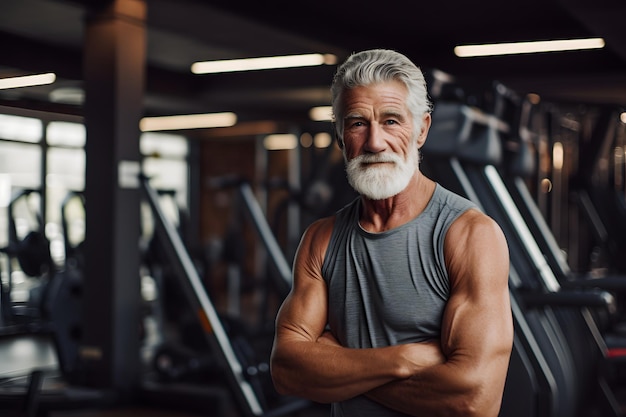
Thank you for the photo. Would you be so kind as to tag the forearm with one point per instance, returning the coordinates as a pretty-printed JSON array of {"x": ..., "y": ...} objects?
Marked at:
[
  {"x": 325, "y": 372},
  {"x": 448, "y": 389}
]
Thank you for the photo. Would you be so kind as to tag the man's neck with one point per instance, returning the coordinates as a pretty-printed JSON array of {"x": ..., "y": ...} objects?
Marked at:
[{"x": 380, "y": 215}]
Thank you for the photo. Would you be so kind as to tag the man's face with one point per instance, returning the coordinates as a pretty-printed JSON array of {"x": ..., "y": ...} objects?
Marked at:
[{"x": 380, "y": 147}]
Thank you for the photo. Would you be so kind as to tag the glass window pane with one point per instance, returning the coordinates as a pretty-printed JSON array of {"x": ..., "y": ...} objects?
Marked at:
[
  {"x": 66, "y": 134},
  {"x": 66, "y": 175},
  {"x": 20, "y": 168},
  {"x": 163, "y": 144},
  {"x": 22, "y": 163},
  {"x": 66, "y": 168},
  {"x": 25, "y": 129},
  {"x": 168, "y": 174}
]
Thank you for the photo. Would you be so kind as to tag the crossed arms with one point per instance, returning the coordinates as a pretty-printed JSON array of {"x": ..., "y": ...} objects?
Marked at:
[{"x": 462, "y": 374}]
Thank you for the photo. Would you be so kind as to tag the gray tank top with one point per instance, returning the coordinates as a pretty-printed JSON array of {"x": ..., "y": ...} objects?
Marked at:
[{"x": 388, "y": 288}]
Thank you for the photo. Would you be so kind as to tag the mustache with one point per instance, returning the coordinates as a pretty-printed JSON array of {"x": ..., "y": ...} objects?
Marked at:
[{"x": 377, "y": 158}]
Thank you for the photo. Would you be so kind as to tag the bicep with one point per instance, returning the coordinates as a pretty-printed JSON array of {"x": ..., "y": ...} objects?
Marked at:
[
  {"x": 477, "y": 324},
  {"x": 304, "y": 311}
]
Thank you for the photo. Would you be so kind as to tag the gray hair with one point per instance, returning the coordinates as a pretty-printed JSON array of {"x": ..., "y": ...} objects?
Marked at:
[{"x": 376, "y": 66}]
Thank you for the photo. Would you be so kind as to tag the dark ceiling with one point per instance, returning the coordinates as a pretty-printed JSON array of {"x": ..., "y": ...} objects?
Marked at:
[{"x": 47, "y": 36}]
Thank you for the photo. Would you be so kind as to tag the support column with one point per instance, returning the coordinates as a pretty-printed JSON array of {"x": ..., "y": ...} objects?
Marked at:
[{"x": 114, "y": 74}]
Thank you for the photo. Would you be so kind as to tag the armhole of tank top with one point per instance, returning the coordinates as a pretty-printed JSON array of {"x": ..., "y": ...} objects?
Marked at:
[
  {"x": 444, "y": 233},
  {"x": 343, "y": 215},
  {"x": 328, "y": 253}
]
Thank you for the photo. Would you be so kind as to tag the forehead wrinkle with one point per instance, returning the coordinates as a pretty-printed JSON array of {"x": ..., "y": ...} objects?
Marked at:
[{"x": 356, "y": 114}]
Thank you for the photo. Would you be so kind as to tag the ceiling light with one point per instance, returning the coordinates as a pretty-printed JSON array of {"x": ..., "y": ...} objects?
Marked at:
[
  {"x": 465, "y": 51},
  {"x": 321, "y": 113},
  {"x": 27, "y": 80},
  {"x": 68, "y": 95},
  {"x": 250, "y": 64},
  {"x": 191, "y": 121},
  {"x": 279, "y": 142}
]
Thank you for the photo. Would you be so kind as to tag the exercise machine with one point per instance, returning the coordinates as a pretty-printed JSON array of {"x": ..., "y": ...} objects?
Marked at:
[
  {"x": 246, "y": 377},
  {"x": 557, "y": 343}
]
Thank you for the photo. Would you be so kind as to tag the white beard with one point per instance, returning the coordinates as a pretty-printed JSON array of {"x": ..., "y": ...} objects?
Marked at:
[{"x": 378, "y": 182}]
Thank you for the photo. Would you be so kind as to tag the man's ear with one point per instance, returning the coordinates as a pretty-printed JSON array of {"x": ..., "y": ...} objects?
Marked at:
[{"x": 426, "y": 122}]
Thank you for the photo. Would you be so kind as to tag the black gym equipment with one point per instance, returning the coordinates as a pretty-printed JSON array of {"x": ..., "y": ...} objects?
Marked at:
[
  {"x": 324, "y": 189},
  {"x": 247, "y": 206},
  {"x": 600, "y": 190},
  {"x": 30, "y": 252},
  {"x": 559, "y": 356},
  {"x": 74, "y": 251},
  {"x": 519, "y": 164},
  {"x": 52, "y": 322},
  {"x": 272, "y": 283},
  {"x": 236, "y": 359}
]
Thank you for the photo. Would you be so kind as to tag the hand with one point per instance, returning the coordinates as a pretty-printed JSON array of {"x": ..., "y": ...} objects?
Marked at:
[
  {"x": 412, "y": 356},
  {"x": 417, "y": 356}
]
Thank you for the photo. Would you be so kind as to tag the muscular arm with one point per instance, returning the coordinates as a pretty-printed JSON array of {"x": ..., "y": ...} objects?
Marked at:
[
  {"x": 477, "y": 331},
  {"x": 309, "y": 364}
]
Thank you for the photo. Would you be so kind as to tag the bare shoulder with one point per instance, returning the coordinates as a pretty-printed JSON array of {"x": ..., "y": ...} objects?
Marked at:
[
  {"x": 313, "y": 244},
  {"x": 317, "y": 234},
  {"x": 475, "y": 246},
  {"x": 475, "y": 226}
]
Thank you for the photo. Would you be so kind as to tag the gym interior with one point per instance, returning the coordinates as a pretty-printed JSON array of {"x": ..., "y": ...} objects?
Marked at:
[{"x": 142, "y": 264}]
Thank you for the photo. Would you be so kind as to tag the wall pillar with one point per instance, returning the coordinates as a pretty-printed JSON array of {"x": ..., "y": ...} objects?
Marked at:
[{"x": 114, "y": 74}]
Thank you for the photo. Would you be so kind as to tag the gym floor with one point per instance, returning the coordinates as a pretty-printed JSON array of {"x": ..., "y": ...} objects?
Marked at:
[
  {"x": 22, "y": 354},
  {"x": 129, "y": 411},
  {"x": 144, "y": 411}
]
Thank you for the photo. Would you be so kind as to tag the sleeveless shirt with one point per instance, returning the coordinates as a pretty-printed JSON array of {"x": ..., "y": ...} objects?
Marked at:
[{"x": 388, "y": 288}]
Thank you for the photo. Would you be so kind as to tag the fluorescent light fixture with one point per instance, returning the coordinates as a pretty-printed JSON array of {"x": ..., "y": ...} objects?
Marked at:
[
  {"x": 27, "y": 80},
  {"x": 279, "y": 142},
  {"x": 321, "y": 113},
  {"x": 465, "y": 51},
  {"x": 190, "y": 121},
  {"x": 251, "y": 64},
  {"x": 68, "y": 95}
]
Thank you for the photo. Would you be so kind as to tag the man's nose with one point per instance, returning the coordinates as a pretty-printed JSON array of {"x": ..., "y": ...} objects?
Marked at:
[{"x": 376, "y": 139}]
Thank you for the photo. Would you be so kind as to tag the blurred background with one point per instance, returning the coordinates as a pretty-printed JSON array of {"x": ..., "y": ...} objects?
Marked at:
[{"x": 151, "y": 199}]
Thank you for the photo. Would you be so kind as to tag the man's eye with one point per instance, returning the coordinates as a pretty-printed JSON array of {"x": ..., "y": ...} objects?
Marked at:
[{"x": 391, "y": 122}]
